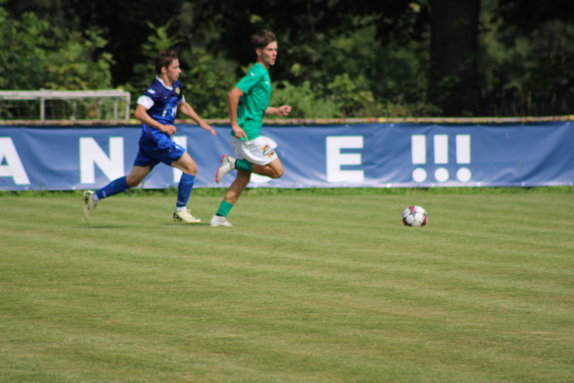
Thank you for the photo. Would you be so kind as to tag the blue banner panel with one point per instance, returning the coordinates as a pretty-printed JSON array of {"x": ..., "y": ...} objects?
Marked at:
[{"x": 354, "y": 155}]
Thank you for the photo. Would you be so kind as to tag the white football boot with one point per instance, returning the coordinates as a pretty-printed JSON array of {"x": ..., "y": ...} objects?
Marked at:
[
  {"x": 89, "y": 203},
  {"x": 185, "y": 216},
  {"x": 217, "y": 220},
  {"x": 227, "y": 164}
]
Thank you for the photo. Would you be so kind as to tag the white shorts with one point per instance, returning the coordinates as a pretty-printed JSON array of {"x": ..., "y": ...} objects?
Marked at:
[{"x": 259, "y": 151}]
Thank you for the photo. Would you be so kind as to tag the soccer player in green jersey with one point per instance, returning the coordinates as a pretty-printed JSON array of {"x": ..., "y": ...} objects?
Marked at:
[{"x": 248, "y": 102}]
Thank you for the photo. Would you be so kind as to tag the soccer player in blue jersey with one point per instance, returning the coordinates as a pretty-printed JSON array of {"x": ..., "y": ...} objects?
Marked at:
[
  {"x": 157, "y": 109},
  {"x": 248, "y": 102}
]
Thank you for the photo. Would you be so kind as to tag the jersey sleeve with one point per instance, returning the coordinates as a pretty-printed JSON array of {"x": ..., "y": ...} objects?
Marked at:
[
  {"x": 249, "y": 81},
  {"x": 149, "y": 97},
  {"x": 146, "y": 101}
]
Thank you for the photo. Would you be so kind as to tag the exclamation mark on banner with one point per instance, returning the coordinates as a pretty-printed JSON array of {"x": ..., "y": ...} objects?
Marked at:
[
  {"x": 441, "y": 156},
  {"x": 419, "y": 156},
  {"x": 440, "y": 150},
  {"x": 463, "y": 157}
]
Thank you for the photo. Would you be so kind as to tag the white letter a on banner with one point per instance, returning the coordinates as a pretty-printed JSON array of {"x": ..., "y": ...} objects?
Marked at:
[{"x": 13, "y": 167}]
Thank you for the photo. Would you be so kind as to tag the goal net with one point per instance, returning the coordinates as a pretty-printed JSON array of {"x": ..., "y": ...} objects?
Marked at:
[{"x": 52, "y": 106}]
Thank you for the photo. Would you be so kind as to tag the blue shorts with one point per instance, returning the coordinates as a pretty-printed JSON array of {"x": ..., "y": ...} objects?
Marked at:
[{"x": 152, "y": 152}]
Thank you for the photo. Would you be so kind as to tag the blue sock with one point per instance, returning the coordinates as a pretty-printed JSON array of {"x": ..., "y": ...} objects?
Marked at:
[
  {"x": 184, "y": 189},
  {"x": 115, "y": 187}
]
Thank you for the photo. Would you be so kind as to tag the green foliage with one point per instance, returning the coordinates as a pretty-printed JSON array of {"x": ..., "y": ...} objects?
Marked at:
[
  {"x": 72, "y": 67},
  {"x": 161, "y": 39},
  {"x": 343, "y": 98},
  {"x": 304, "y": 101},
  {"x": 318, "y": 192},
  {"x": 343, "y": 58},
  {"x": 206, "y": 80},
  {"x": 536, "y": 64},
  {"x": 363, "y": 78},
  {"x": 525, "y": 63},
  {"x": 21, "y": 52},
  {"x": 352, "y": 95},
  {"x": 144, "y": 72},
  {"x": 35, "y": 55}
]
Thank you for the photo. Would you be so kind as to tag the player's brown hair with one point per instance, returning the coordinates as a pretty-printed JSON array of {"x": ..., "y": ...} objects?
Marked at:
[
  {"x": 262, "y": 39},
  {"x": 164, "y": 59}
]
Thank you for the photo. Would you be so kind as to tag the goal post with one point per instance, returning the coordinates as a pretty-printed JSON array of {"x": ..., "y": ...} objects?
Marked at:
[{"x": 113, "y": 104}]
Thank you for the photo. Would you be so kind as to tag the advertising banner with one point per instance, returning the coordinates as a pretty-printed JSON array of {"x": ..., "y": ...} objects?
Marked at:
[{"x": 343, "y": 155}]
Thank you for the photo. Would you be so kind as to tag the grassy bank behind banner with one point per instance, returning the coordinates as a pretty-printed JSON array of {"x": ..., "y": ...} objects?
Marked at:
[
  {"x": 262, "y": 191},
  {"x": 318, "y": 286}
]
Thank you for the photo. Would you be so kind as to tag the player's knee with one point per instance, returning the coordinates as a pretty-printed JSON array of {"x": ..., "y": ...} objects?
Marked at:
[
  {"x": 190, "y": 169},
  {"x": 277, "y": 173},
  {"x": 132, "y": 182}
]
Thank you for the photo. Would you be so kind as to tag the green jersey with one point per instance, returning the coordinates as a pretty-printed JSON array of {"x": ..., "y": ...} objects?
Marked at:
[{"x": 256, "y": 86}]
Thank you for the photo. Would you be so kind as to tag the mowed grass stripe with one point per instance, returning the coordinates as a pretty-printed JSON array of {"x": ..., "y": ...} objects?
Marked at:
[{"x": 312, "y": 288}]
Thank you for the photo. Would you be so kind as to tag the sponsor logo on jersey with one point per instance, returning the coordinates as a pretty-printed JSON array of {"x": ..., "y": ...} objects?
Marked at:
[{"x": 267, "y": 151}]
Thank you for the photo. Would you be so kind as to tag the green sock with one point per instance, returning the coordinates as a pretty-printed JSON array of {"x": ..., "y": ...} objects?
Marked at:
[
  {"x": 224, "y": 209},
  {"x": 244, "y": 165}
]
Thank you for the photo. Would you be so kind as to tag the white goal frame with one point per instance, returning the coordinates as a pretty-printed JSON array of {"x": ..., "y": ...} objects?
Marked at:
[{"x": 42, "y": 95}]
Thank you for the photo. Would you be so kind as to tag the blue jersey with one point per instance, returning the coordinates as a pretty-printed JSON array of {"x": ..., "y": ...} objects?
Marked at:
[{"x": 162, "y": 103}]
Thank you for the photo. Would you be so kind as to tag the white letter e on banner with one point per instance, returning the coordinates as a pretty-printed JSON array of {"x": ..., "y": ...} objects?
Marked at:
[{"x": 335, "y": 159}]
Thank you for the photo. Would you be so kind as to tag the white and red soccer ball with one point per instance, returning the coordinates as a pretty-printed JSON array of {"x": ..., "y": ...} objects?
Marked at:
[{"x": 415, "y": 216}]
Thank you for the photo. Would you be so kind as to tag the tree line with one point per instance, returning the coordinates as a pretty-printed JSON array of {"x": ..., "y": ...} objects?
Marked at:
[{"x": 337, "y": 58}]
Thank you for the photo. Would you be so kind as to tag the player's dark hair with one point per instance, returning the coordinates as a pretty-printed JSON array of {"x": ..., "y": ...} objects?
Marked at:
[
  {"x": 262, "y": 39},
  {"x": 164, "y": 59}
]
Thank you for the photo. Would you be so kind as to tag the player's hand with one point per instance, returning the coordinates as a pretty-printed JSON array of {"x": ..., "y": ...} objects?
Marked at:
[
  {"x": 169, "y": 129},
  {"x": 284, "y": 110},
  {"x": 239, "y": 133},
  {"x": 208, "y": 128}
]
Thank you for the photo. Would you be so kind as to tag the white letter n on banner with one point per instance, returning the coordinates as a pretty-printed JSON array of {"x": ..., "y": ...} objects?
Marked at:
[
  {"x": 182, "y": 141},
  {"x": 91, "y": 154},
  {"x": 335, "y": 159}
]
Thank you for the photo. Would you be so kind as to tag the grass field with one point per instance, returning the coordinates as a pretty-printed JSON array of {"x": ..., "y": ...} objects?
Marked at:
[{"x": 306, "y": 287}]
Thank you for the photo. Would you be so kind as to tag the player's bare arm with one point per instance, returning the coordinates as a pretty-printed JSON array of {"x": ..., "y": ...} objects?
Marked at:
[
  {"x": 142, "y": 115},
  {"x": 281, "y": 111},
  {"x": 232, "y": 103},
  {"x": 187, "y": 109}
]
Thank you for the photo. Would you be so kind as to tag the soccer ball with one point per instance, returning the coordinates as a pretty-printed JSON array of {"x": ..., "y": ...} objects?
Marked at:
[{"x": 415, "y": 216}]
